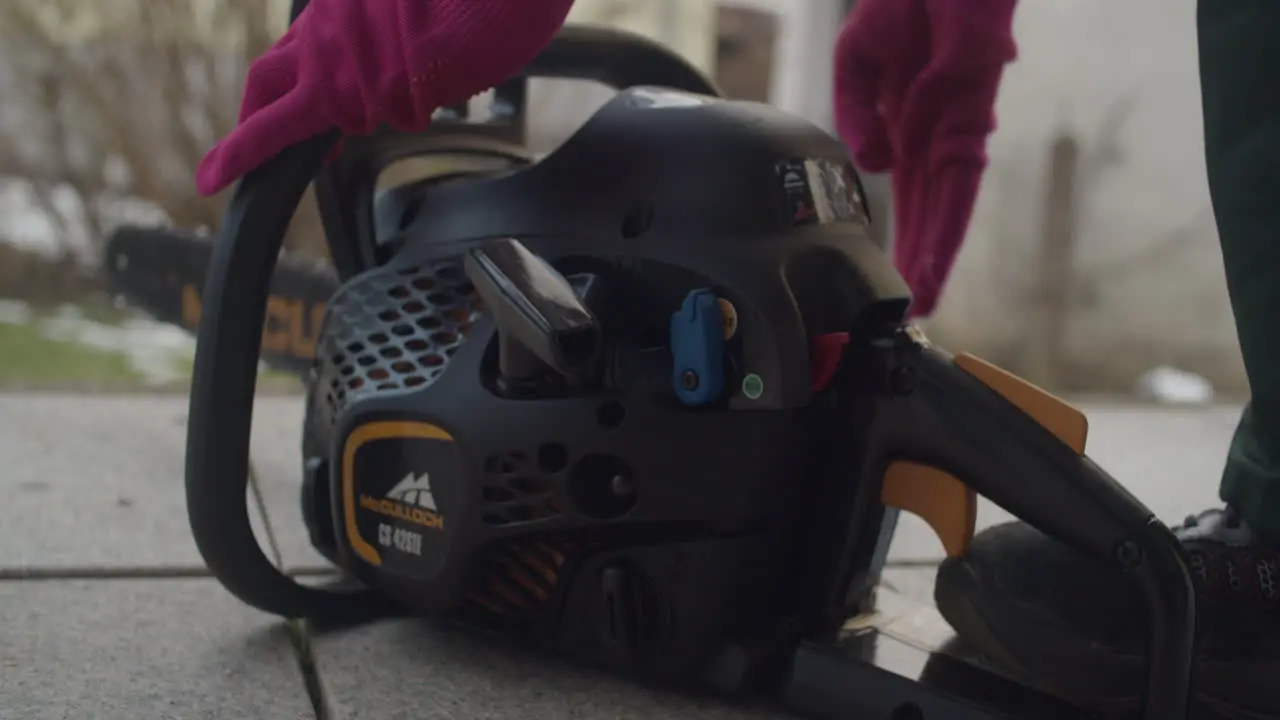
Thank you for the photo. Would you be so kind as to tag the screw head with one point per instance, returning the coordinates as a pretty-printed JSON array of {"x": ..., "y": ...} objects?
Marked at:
[
  {"x": 1129, "y": 554},
  {"x": 902, "y": 380},
  {"x": 621, "y": 486},
  {"x": 689, "y": 379}
]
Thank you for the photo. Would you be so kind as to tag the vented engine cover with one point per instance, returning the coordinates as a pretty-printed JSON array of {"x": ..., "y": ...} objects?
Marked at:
[
  {"x": 391, "y": 330},
  {"x": 669, "y": 522}
]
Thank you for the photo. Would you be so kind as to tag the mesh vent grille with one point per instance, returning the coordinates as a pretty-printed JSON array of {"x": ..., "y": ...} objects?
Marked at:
[{"x": 393, "y": 330}]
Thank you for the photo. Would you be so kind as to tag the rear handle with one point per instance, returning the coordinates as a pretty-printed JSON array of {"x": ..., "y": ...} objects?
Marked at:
[
  {"x": 615, "y": 58},
  {"x": 618, "y": 59},
  {"x": 953, "y": 427}
]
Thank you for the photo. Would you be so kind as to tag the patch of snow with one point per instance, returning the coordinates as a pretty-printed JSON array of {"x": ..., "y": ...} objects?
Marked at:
[
  {"x": 158, "y": 352},
  {"x": 14, "y": 312},
  {"x": 1172, "y": 386}
]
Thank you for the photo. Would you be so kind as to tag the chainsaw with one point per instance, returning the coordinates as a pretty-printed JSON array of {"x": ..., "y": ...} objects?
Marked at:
[{"x": 650, "y": 402}]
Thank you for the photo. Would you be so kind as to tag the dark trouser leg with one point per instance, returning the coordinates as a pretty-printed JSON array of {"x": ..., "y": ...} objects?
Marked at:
[{"x": 1240, "y": 84}]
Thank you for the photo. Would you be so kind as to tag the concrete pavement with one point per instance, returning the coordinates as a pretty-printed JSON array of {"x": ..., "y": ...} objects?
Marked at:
[{"x": 104, "y": 612}]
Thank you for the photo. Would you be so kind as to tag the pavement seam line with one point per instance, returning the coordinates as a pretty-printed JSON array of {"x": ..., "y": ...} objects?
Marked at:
[
  {"x": 131, "y": 572},
  {"x": 299, "y": 634},
  {"x": 261, "y": 503},
  {"x": 304, "y": 653}
]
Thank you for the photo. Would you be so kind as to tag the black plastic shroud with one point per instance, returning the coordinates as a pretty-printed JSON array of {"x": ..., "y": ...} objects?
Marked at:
[{"x": 1005, "y": 457}]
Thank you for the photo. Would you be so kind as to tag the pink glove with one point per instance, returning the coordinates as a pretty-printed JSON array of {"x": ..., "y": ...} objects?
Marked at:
[
  {"x": 360, "y": 64},
  {"x": 915, "y": 92}
]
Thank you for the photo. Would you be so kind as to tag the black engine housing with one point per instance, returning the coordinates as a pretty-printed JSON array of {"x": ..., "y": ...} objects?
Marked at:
[{"x": 673, "y": 526}]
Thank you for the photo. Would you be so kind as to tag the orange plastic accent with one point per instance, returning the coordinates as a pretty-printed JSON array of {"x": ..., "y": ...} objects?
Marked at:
[{"x": 949, "y": 506}]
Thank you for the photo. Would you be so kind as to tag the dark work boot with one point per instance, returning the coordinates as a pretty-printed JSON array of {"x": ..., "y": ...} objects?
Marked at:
[{"x": 1076, "y": 627}]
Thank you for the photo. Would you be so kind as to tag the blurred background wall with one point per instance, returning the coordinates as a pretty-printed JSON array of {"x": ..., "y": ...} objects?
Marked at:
[
  {"x": 1092, "y": 269},
  {"x": 1091, "y": 260}
]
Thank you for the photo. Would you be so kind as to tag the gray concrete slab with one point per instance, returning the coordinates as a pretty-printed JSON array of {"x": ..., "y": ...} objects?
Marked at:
[
  {"x": 416, "y": 670},
  {"x": 97, "y": 481},
  {"x": 124, "y": 650},
  {"x": 912, "y": 583}
]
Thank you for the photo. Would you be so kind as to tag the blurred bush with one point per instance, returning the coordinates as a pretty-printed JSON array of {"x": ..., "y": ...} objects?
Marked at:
[
  {"x": 41, "y": 280},
  {"x": 110, "y": 105}
]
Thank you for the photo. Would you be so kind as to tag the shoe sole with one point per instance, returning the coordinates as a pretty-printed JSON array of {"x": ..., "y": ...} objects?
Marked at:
[{"x": 1035, "y": 650}]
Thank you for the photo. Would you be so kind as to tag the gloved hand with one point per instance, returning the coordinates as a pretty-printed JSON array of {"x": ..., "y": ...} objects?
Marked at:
[
  {"x": 360, "y": 64},
  {"x": 915, "y": 92}
]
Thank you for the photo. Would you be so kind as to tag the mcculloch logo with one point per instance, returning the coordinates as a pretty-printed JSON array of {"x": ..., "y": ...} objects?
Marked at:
[
  {"x": 401, "y": 511},
  {"x": 414, "y": 491}
]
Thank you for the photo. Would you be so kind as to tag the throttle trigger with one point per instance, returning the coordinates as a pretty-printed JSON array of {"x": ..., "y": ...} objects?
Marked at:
[{"x": 939, "y": 498}]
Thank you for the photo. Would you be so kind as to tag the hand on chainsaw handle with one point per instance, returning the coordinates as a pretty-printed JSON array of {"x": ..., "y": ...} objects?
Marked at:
[
  {"x": 915, "y": 91},
  {"x": 359, "y": 64}
]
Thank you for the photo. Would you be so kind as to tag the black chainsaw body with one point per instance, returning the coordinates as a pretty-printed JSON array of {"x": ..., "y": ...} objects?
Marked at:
[
  {"x": 649, "y": 486},
  {"x": 646, "y": 401}
]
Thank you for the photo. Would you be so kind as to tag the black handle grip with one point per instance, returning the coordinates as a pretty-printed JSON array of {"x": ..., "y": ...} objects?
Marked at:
[
  {"x": 542, "y": 325},
  {"x": 222, "y": 390},
  {"x": 619, "y": 59}
]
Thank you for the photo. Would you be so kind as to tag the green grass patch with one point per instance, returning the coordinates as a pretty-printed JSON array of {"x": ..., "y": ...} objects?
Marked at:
[
  {"x": 29, "y": 358},
  {"x": 99, "y": 311}
]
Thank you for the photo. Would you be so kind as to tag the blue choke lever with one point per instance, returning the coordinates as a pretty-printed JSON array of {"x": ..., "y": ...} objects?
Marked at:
[{"x": 697, "y": 348}]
